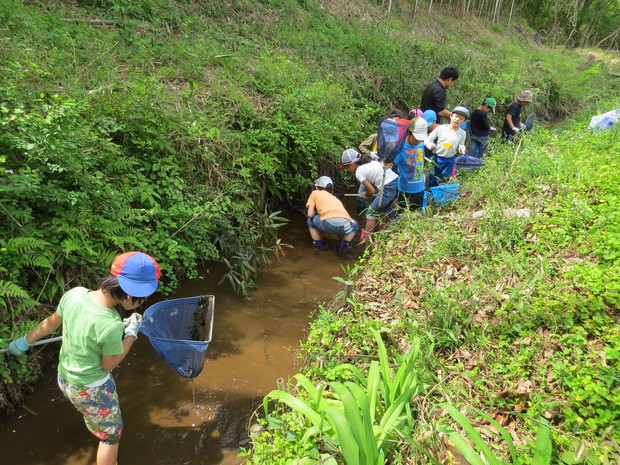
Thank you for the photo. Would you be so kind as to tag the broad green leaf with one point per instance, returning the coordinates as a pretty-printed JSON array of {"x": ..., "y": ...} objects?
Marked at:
[
  {"x": 471, "y": 432},
  {"x": 296, "y": 404},
  {"x": 463, "y": 447},
  {"x": 505, "y": 434},
  {"x": 350, "y": 448},
  {"x": 543, "y": 446},
  {"x": 374, "y": 378}
]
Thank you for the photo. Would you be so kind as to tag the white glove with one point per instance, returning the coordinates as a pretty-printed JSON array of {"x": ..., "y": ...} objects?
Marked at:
[
  {"x": 431, "y": 145},
  {"x": 133, "y": 325},
  {"x": 374, "y": 156},
  {"x": 462, "y": 149},
  {"x": 493, "y": 128},
  {"x": 515, "y": 129}
]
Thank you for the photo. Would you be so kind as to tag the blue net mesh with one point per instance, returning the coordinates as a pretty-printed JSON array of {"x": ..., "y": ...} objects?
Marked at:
[
  {"x": 468, "y": 162},
  {"x": 391, "y": 137},
  {"x": 180, "y": 331},
  {"x": 445, "y": 193}
]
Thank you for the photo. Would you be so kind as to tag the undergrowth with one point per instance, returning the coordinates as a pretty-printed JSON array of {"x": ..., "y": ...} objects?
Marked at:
[
  {"x": 182, "y": 128},
  {"x": 513, "y": 292}
]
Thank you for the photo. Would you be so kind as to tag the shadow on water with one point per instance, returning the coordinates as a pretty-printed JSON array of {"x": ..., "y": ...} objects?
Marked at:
[{"x": 254, "y": 342}]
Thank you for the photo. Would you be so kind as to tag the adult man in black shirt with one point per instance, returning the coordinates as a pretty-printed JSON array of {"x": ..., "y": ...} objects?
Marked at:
[{"x": 434, "y": 96}]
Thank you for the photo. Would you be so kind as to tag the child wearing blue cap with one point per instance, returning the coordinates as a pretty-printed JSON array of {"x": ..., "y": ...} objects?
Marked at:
[
  {"x": 431, "y": 119},
  {"x": 410, "y": 162},
  {"x": 95, "y": 341}
]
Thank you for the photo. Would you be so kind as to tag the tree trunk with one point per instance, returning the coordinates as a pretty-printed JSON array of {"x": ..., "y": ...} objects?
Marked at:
[
  {"x": 512, "y": 5},
  {"x": 611, "y": 36},
  {"x": 496, "y": 11}
]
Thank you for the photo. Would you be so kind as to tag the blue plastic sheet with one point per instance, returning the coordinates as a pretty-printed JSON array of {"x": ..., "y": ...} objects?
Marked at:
[{"x": 173, "y": 326}]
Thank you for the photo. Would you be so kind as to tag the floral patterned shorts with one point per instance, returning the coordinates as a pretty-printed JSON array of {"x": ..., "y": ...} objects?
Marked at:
[{"x": 99, "y": 405}]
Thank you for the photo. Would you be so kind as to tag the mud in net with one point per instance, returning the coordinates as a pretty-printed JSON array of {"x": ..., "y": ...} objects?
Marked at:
[{"x": 180, "y": 331}]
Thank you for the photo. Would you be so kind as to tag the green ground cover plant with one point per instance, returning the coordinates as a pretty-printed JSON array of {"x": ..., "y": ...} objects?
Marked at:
[
  {"x": 522, "y": 318},
  {"x": 358, "y": 417}
]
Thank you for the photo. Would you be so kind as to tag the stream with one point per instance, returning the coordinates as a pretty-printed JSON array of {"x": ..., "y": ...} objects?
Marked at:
[{"x": 254, "y": 343}]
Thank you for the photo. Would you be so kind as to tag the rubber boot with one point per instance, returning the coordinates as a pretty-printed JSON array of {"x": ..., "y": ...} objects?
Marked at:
[
  {"x": 343, "y": 246},
  {"x": 365, "y": 234},
  {"x": 318, "y": 245}
]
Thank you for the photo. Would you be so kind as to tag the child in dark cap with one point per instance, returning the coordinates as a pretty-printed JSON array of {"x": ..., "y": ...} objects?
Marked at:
[{"x": 512, "y": 120}]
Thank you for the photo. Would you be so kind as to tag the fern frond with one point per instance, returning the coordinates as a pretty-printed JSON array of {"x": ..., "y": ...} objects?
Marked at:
[
  {"x": 26, "y": 244},
  {"x": 9, "y": 289}
]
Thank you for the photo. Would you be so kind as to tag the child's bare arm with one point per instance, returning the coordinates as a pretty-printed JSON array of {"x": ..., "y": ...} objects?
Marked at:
[
  {"x": 109, "y": 362},
  {"x": 47, "y": 326}
]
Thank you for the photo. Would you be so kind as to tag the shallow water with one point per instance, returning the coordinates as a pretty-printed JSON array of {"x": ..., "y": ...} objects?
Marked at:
[{"x": 254, "y": 343}]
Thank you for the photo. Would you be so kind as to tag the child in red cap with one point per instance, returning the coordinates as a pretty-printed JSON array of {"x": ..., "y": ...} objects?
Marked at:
[{"x": 95, "y": 341}]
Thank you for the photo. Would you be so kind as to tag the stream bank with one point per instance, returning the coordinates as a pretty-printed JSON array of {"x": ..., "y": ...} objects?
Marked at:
[{"x": 255, "y": 342}]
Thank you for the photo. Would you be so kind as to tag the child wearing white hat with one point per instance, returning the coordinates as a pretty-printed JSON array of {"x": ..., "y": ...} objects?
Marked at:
[{"x": 327, "y": 213}]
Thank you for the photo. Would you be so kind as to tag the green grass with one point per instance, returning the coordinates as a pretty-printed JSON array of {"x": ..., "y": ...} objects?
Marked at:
[{"x": 519, "y": 312}]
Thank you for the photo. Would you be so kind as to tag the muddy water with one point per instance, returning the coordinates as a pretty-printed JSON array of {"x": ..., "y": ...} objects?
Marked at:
[{"x": 254, "y": 343}]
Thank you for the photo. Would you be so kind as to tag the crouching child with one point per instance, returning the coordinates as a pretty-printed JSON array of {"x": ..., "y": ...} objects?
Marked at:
[{"x": 327, "y": 213}]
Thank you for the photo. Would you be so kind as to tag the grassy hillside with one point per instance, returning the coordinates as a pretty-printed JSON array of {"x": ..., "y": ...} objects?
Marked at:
[
  {"x": 178, "y": 128},
  {"x": 508, "y": 300}
]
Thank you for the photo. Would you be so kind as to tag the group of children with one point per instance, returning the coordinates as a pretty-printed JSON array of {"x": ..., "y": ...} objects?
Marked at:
[
  {"x": 403, "y": 181},
  {"x": 381, "y": 187}
]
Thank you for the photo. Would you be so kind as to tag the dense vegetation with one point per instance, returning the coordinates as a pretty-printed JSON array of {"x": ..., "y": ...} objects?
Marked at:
[
  {"x": 506, "y": 307},
  {"x": 181, "y": 128},
  {"x": 594, "y": 23}
]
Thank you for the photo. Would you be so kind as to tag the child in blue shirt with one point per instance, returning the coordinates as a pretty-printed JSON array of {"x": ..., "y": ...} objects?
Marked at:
[{"x": 410, "y": 162}]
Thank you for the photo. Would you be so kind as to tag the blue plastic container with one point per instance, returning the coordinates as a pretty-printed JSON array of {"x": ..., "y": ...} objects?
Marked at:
[{"x": 445, "y": 193}]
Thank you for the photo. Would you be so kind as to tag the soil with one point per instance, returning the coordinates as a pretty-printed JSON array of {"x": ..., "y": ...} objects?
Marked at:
[{"x": 198, "y": 330}]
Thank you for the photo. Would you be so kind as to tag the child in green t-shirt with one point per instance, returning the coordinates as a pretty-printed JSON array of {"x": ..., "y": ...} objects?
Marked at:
[{"x": 95, "y": 341}]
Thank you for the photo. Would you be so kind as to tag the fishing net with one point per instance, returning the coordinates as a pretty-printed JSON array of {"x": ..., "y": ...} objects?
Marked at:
[
  {"x": 391, "y": 137},
  {"x": 529, "y": 122},
  {"x": 468, "y": 162},
  {"x": 180, "y": 331}
]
